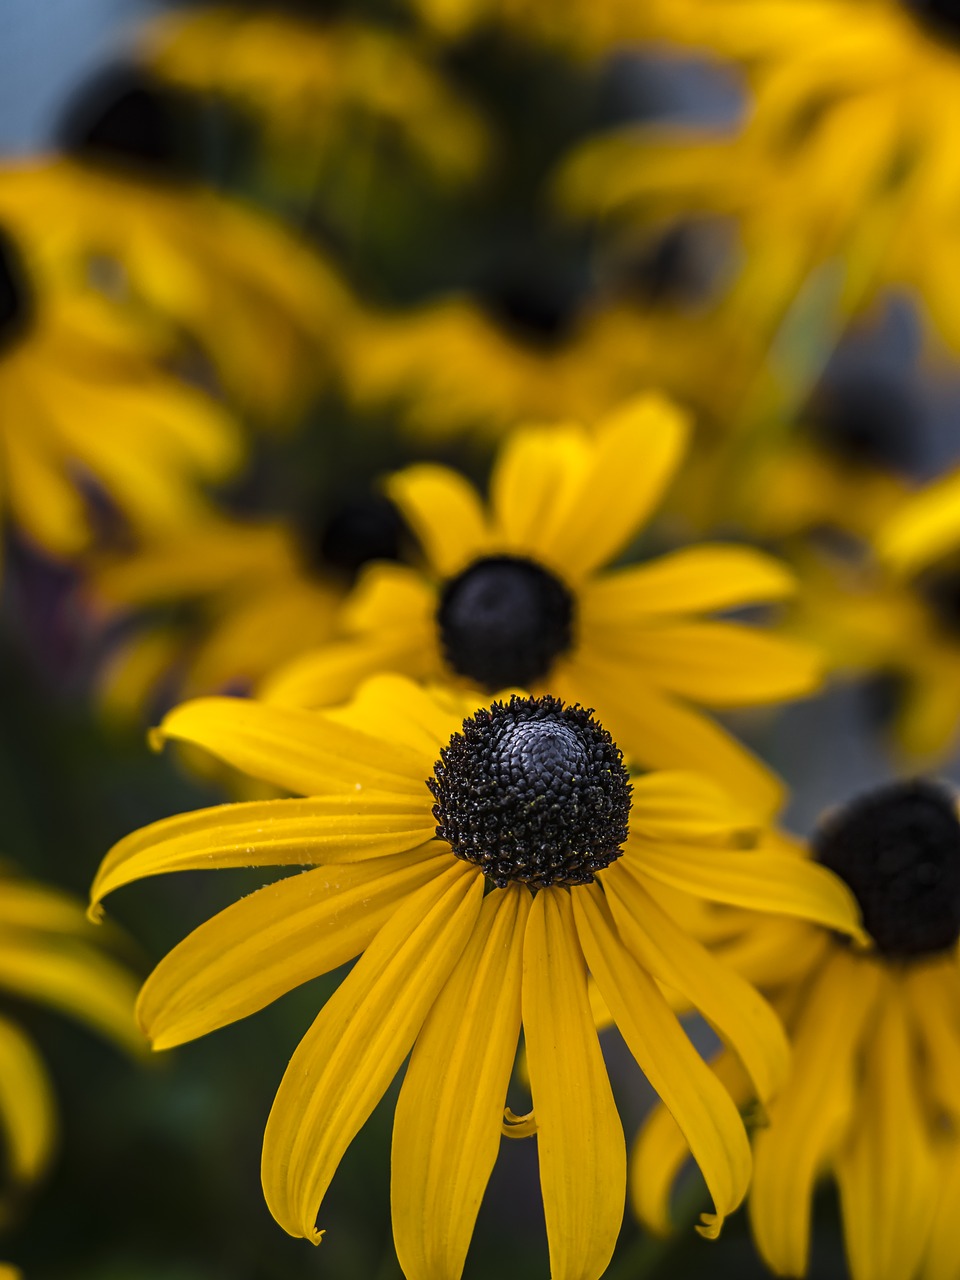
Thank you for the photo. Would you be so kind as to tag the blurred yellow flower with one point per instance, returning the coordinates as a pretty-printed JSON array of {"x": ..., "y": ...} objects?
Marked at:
[
  {"x": 50, "y": 954},
  {"x": 872, "y": 1091},
  {"x": 322, "y": 89},
  {"x": 513, "y": 596},
  {"x": 214, "y": 275},
  {"x": 411, "y": 812},
  {"x": 87, "y": 411}
]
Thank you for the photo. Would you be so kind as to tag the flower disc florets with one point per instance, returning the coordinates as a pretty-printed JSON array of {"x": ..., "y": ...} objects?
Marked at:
[
  {"x": 898, "y": 848},
  {"x": 533, "y": 791},
  {"x": 504, "y": 621},
  {"x": 16, "y": 304}
]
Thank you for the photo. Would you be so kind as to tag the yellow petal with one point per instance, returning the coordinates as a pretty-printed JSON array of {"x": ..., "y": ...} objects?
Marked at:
[
  {"x": 297, "y": 750},
  {"x": 738, "y": 1013},
  {"x": 924, "y": 528},
  {"x": 273, "y": 940},
  {"x": 331, "y": 673},
  {"x": 268, "y": 833},
  {"x": 447, "y": 1133},
  {"x": 696, "y": 1099},
  {"x": 811, "y": 1114},
  {"x": 721, "y": 664},
  {"x": 943, "y": 1261},
  {"x": 695, "y": 580},
  {"x": 580, "y": 1138},
  {"x": 689, "y": 808},
  {"x": 345, "y": 1062},
  {"x": 887, "y": 1172},
  {"x": 755, "y": 879},
  {"x": 445, "y": 512},
  {"x": 393, "y": 707},
  {"x": 27, "y": 1110},
  {"x": 660, "y": 1149},
  {"x": 77, "y": 980},
  {"x": 636, "y": 451},
  {"x": 535, "y": 479}
]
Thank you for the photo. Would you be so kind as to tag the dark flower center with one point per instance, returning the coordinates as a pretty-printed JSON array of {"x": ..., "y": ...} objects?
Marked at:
[
  {"x": 940, "y": 590},
  {"x": 541, "y": 308},
  {"x": 504, "y": 621},
  {"x": 533, "y": 791},
  {"x": 363, "y": 528},
  {"x": 898, "y": 848},
  {"x": 16, "y": 297},
  {"x": 867, "y": 422},
  {"x": 125, "y": 116},
  {"x": 942, "y": 17}
]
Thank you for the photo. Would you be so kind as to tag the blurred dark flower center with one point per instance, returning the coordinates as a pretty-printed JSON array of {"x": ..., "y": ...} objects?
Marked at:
[
  {"x": 16, "y": 296},
  {"x": 867, "y": 422},
  {"x": 363, "y": 528},
  {"x": 504, "y": 621},
  {"x": 898, "y": 848},
  {"x": 124, "y": 116},
  {"x": 533, "y": 792},
  {"x": 941, "y": 16},
  {"x": 540, "y": 309}
]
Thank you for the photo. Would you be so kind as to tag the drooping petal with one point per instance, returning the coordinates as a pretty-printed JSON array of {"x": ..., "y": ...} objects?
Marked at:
[
  {"x": 887, "y": 1171},
  {"x": 735, "y": 1010},
  {"x": 934, "y": 1012},
  {"x": 811, "y": 1114},
  {"x": 300, "y": 751},
  {"x": 579, "y": 1138},
  {"x": 273, "y": 940},
  {"x": 27, "y": 1109},
  {"x": 77, "y": 980},
  {"x": 942, "y": 1261},
  {"x": 393, "y": 707},
  {"x": 694, "y": 580},
  {"x": 698, "y": 1102},
  {"x": 637, "y": 450},
  {"x": 660, "y": 1150},
  {"x": 447, "y": 1129},
  {"x": 329, "y": 674},
  {"x": 444, "y": 511},
  {"x": 753, "y": 878},
  {"x": 269, "y": 833},
  {"x": 688, "y": 807},
  {"x": 922, "y": 528},
  {"x": 721, "y": 664},
  {"x": 356, "y": 1045}
]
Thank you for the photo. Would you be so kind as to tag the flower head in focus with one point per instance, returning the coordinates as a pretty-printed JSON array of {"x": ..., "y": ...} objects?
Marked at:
[
  {"x": 480, "y": 860},
  {"x": 514, "y": 595}
]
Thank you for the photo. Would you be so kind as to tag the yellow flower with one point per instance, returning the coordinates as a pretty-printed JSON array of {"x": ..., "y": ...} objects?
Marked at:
[
  {"x": 322, "y": 89},
  {"x": 872, "y": 1090},
  {"x": 841, "y": 178},
  {"x": 581, "y": 28},
  {"x": 49, "y": 954},
  {"x": 221, "y": 603},
  {"x": 257, "y": 302},
  {"x": 410, "y": 812},
  {"x": 85, "y": 404},
  {"x": 512, "y": 596}
]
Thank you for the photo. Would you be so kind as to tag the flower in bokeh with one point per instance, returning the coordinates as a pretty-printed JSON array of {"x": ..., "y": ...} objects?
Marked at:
[
  {"x": 49, "y": 954},
  {"x": 218, "y": 605},
  {"x": 87, "y": 411},
  {"x": 415, "y": 805},
  {"x": 872, "y": 1090},
  {"x": 209, "y": 274},
  {"x": 513, "y": 597}
]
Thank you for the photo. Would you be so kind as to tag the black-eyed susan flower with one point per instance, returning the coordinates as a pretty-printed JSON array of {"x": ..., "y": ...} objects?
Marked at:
[
  {"x": 872, "y": 1092},
  {"x": 514, "y": 595},
  {"x": 87, "y": 410},
  {"x": 49, "y": 954},
  {"x": 480, "y": 860},
  {"x": 216, "y": 606},
  {"x": 212, "y": 274},
  {"x": 840, "y": 175},
  {"x": 321, "y": 90}
]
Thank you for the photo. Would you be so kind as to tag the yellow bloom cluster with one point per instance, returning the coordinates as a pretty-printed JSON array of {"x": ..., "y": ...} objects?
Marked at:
[{"x": 461, "y": 459}]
